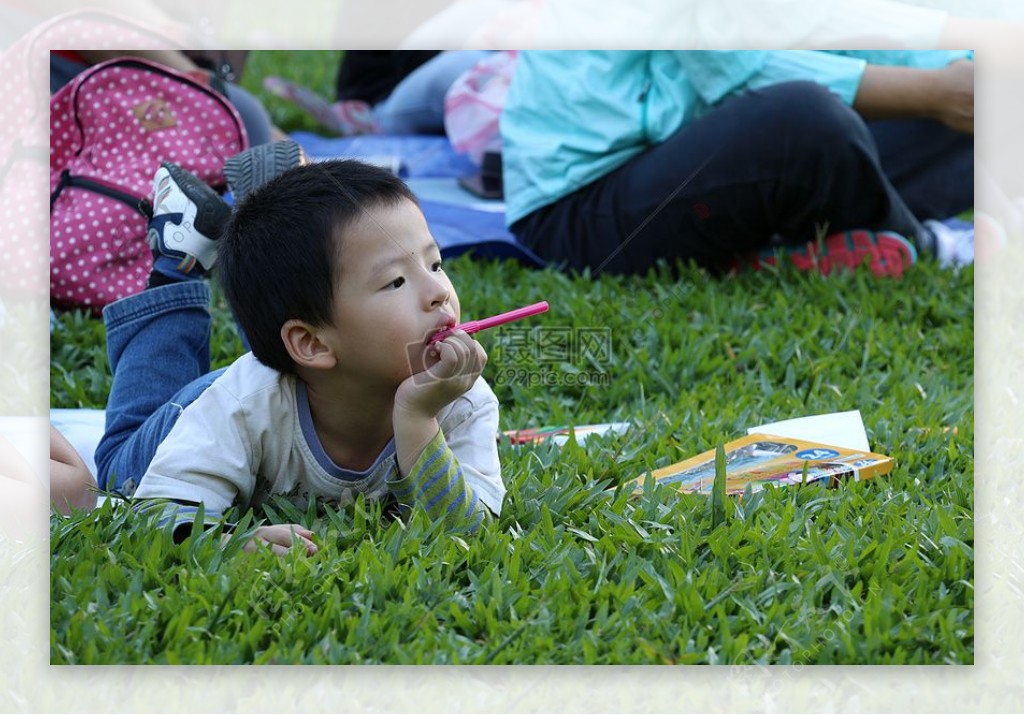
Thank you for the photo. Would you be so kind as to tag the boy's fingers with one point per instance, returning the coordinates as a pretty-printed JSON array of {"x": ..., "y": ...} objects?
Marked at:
[
  {"x": 459, "y": 349},
  {"x": 481, "y": 354},
  {"x": 278, "y": 539},
  {"x": 455, "y": 354},
  {"x": 311, "y": 548},
  {"x": 284, "y": 536},
  {"x": 459, "y": 337}
]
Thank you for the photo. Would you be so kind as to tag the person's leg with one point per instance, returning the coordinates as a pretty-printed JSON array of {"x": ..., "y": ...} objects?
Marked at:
[
  {"x": 931, "y": 165},
  {"x": 768, "y": 167},
  {"x": 158, "y": 344},
  {"x": 346, "y": 117},
  {"x": 416, "y": 105},
  {"x": 254, "y": 115},
  {"x": 158, "y": 341},
  {"x": 63, "y": 70}
]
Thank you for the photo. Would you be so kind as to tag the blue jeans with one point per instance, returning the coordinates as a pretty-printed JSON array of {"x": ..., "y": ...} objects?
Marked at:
[
  {"x": 158, "y": 343},
  {"x": 416, "y": 105}
]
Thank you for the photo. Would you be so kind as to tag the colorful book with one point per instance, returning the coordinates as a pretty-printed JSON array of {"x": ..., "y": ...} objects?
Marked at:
[
  {"x": 761, "y": 459},
  {"x": 560, "y": 433}
]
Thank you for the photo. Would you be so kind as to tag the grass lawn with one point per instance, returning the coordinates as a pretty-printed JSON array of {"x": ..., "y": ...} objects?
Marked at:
[{"x": 574, "y": 571}]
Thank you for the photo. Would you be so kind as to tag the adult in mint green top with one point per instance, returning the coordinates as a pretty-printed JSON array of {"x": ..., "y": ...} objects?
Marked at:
[{"x": 733, "y": 131}]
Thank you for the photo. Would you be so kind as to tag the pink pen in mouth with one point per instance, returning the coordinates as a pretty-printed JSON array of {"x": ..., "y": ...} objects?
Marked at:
[{"x": 446, "y": 324}]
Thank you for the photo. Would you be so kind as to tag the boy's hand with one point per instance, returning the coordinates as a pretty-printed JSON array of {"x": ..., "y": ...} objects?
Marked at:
[
  {"x": 279, "y": 537},
  {"x": 457, "y": 362}
]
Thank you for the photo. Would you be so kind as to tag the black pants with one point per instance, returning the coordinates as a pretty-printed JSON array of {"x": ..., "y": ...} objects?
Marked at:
[{"x": 767, "y": 167}]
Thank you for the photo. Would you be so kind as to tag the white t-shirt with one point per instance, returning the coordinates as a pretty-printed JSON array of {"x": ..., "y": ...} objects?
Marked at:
[{"x": 250, "y": 435}]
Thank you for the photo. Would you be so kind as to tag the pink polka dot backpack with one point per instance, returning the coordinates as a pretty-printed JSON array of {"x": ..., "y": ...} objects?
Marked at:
[{"x": 110, "y": 128}]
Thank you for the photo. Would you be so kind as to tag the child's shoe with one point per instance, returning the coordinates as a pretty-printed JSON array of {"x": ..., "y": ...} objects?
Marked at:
[
  {"x": 250, "y": 169},
  {"x": 889, "y": 254},
  {"x": 954, "y": 242},
  {"x": 186, "y": 222}
]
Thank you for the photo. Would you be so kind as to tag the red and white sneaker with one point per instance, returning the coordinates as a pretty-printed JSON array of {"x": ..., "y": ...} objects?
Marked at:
[{"x": 887, "y": 254}]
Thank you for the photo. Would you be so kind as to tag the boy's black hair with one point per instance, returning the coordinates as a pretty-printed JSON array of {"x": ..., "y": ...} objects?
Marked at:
[{"x": 279, "y": 254}]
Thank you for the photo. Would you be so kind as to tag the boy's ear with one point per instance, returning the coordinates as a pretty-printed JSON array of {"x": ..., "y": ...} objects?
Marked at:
[{"x": 303, "y": 344}]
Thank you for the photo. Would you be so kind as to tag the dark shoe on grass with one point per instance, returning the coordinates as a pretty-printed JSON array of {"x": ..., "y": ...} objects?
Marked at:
[
  {"x": 250, "y": 169},
  {"x": 187, "y": 218}
]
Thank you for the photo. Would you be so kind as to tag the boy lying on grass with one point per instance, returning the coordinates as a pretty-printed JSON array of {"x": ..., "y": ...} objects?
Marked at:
[{"x": 335, "y": 280}]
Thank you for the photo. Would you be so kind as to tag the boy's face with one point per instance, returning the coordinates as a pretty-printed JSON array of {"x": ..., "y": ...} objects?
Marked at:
[{"x": 392, "y": 295}]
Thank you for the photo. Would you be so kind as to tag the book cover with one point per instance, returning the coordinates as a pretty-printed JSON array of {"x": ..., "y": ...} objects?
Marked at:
[{"x": 762, "y": 459}]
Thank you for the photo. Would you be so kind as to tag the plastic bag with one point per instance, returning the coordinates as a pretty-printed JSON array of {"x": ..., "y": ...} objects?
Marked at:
[{"x": 473, "y": 104}]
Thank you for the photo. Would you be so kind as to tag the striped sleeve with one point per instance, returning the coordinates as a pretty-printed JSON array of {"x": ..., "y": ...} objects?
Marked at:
[{"x": 437, "y": 485}]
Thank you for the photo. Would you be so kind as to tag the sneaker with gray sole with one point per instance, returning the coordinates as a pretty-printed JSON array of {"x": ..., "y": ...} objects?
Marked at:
[
  {"x": 954, "y": 242},
  {"x": 187, "y": 219},
  {"x": 250, "y": 169}
]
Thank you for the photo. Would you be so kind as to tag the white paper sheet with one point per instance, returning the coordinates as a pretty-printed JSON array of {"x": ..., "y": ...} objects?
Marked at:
[{"x": 839, "y": 429}]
